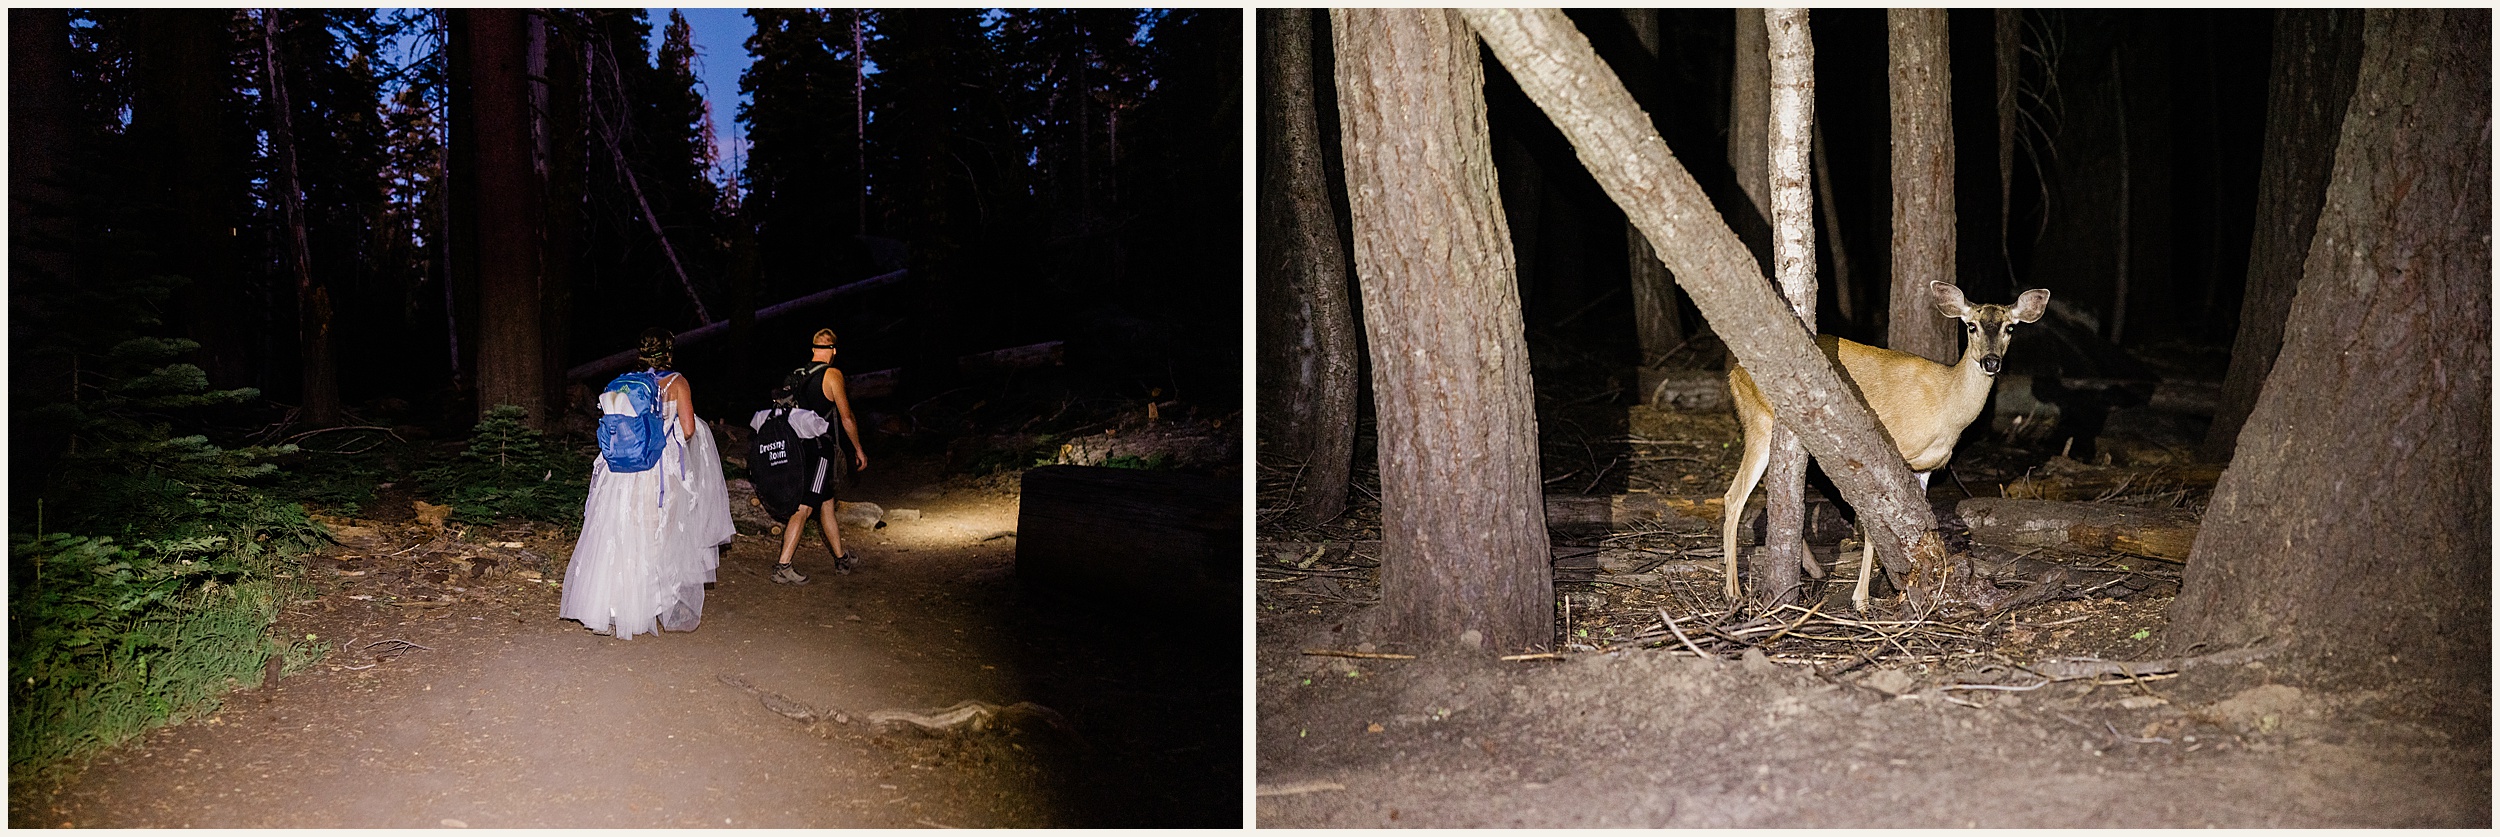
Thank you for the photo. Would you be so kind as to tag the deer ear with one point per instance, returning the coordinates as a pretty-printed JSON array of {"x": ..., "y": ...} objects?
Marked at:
[
  {"x": 1949, "y": 299},
  {"x": 2033, "y": 303}
]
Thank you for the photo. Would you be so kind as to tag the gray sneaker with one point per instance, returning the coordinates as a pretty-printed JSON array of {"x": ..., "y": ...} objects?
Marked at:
[{"x": 786, "y": 574}]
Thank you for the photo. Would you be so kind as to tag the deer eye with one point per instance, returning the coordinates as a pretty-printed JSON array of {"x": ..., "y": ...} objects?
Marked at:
[{"x": 1971, "y": 327}]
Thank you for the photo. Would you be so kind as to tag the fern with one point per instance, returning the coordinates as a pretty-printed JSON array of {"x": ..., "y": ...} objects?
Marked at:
[{"x": 509, "y": 470}]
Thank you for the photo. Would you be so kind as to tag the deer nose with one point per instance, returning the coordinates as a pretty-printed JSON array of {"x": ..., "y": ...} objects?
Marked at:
[{"x": 1990, "y": 363}]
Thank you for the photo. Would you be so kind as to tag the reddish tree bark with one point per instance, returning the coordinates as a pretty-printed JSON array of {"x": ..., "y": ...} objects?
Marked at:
[
  {"x": 1464, "y": 555},
  {"x": 320, "y": 396},
  {"x": 2317, "y": 55},
  {"x": 1923, "y": 239},
  {"x": 2353, "y": 527},
  {"x": 510, "y": 363},
  {"x": 1311, "y": 351}
]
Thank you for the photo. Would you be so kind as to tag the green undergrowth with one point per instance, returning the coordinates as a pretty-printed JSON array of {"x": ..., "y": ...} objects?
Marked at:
[
  {"x": 1149, "y": 462},
  {"x": 146, "y": 585},
  {"x": 342, "y": 472},
  {"x": 508, "y": 470}
]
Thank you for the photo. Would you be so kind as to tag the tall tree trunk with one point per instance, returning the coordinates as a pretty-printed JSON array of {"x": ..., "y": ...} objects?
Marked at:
[
  {"x": 1749, "y": 111},
  {"x": 2354, "y": 524},
  {"x": 1844, "y": 292},
  {"x": 566, "y": 85},
  {"x": 1465, "y": 560},
  {"x": 859, "y": 114},
  {"x": 745, "y": 277},
  {"x": 1558, "y": 70},
  {"x": 2009, "y": 52},
  {"x": 182, "y": 63},
  {"x": 1302, "y": 271},
  {"x": 461, "y": 289},
  {"x": 2317, "y": 54},
  {"x": 320, "y": 395},
  {"x": 1790, "y": 131},
  {"x": 1657, "y": 318},
  {"x": 2126, "y": 205},
  {"x": 42, "y": 143},
  {"x": 510, "y": 365},
  {"x": 1923, "y": 238}
]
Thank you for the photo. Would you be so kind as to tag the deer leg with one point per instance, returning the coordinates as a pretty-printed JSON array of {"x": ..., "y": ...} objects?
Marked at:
[
  {"x": 1749, "y": 473},
  {"x": 1866, "y": 572}
]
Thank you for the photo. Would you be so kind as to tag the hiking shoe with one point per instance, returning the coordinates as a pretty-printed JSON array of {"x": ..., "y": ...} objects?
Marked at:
[
  {"x": 844, "y": 563},
  {"x": 787, "y": 574}
]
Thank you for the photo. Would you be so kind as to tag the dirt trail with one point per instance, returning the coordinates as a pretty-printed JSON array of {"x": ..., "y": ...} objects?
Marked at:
[
  {"x": 514, "y": 718},
  {"x": 1643, "y": 738}
]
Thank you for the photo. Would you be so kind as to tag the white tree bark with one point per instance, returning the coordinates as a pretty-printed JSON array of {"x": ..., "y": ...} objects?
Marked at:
[{"x": 1790, "y": 49}]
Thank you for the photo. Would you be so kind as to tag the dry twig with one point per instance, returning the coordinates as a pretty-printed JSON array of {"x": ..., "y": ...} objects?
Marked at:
[{"x": 1359, "y": 655}]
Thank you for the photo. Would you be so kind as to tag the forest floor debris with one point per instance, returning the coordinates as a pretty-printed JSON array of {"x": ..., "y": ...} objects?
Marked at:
[{"x": 1664, "y": 707}]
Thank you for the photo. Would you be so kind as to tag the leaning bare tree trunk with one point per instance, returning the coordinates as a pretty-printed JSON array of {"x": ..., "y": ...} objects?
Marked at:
[
  {"x": 312, "y": 299},
  {"x": 1791, "y": 132},
  {"x": 1464, "y": 552},
  {"x": 1302, "y": 273},
  {"x": 1657, "y": 320},
  {"x": 1554, "y": 64},
  {"x": 1922, "y": 183},
  {"x": 2317, "y": 54},
  {"x": 2354, "y": 525}
]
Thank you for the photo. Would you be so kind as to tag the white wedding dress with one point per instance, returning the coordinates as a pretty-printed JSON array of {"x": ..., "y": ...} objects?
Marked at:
[{"x": 650, "y": 540}]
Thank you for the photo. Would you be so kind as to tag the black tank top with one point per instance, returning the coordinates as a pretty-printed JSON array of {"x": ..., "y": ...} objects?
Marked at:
[{"x": 811, "y": 397}]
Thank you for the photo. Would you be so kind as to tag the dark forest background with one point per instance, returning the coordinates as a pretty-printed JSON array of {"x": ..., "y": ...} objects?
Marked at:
[
  {"x": 2188, "y": 87},
  {"x": 2131, "y": 193},
  {"x": 259, "y": 258},
  {"x": 1059, "y": 175}
]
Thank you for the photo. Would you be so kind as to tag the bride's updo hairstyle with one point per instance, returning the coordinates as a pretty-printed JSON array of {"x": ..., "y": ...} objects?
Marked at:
[{"x": 657, "y": 349}]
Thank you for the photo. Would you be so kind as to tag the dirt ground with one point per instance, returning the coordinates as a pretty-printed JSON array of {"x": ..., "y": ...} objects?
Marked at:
[
  {"x": 1928, "y": 726},
  {"x": 1643, "y": 738},
  {"x": 453, "y": 696}
]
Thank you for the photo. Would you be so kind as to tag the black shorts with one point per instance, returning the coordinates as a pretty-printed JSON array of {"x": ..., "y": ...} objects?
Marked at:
[{"x": 830, "y": 476}]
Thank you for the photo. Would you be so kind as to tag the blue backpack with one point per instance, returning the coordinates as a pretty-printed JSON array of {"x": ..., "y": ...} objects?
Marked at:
[{"x": 633, "y": 442}]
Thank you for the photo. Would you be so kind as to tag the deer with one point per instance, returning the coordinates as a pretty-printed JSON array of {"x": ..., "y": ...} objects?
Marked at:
[{"x": 1923, "y": 405}]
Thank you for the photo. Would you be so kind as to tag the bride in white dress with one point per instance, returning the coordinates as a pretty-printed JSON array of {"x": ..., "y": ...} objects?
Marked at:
[{"x": 651, "y": 540}]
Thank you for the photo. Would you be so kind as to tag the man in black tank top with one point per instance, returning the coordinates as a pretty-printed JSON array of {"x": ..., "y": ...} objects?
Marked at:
[{"x": 822, "y": 392}]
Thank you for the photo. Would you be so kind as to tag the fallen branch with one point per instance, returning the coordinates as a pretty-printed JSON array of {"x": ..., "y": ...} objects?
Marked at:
[
  {"x": 975, "y": 715},
  {"x": 1679, "y": 633},
  {"x": 1295, "y": 788},
  {"x": 2087, "y": 669},
  {"x": 1359, "y": 655}
]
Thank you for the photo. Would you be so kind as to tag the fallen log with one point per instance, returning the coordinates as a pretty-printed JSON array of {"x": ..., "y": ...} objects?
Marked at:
[
  {"x": 878, "y": 384},
  {"x": 622, "y": 361},
  {"x": 1053, "y": 353},
  {"x": 2065, "y": 479},
  {"x": 2016, "y": 523},
  {"x": 1596, "y": 513},
  {"x": 1689, "y": 390}
]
